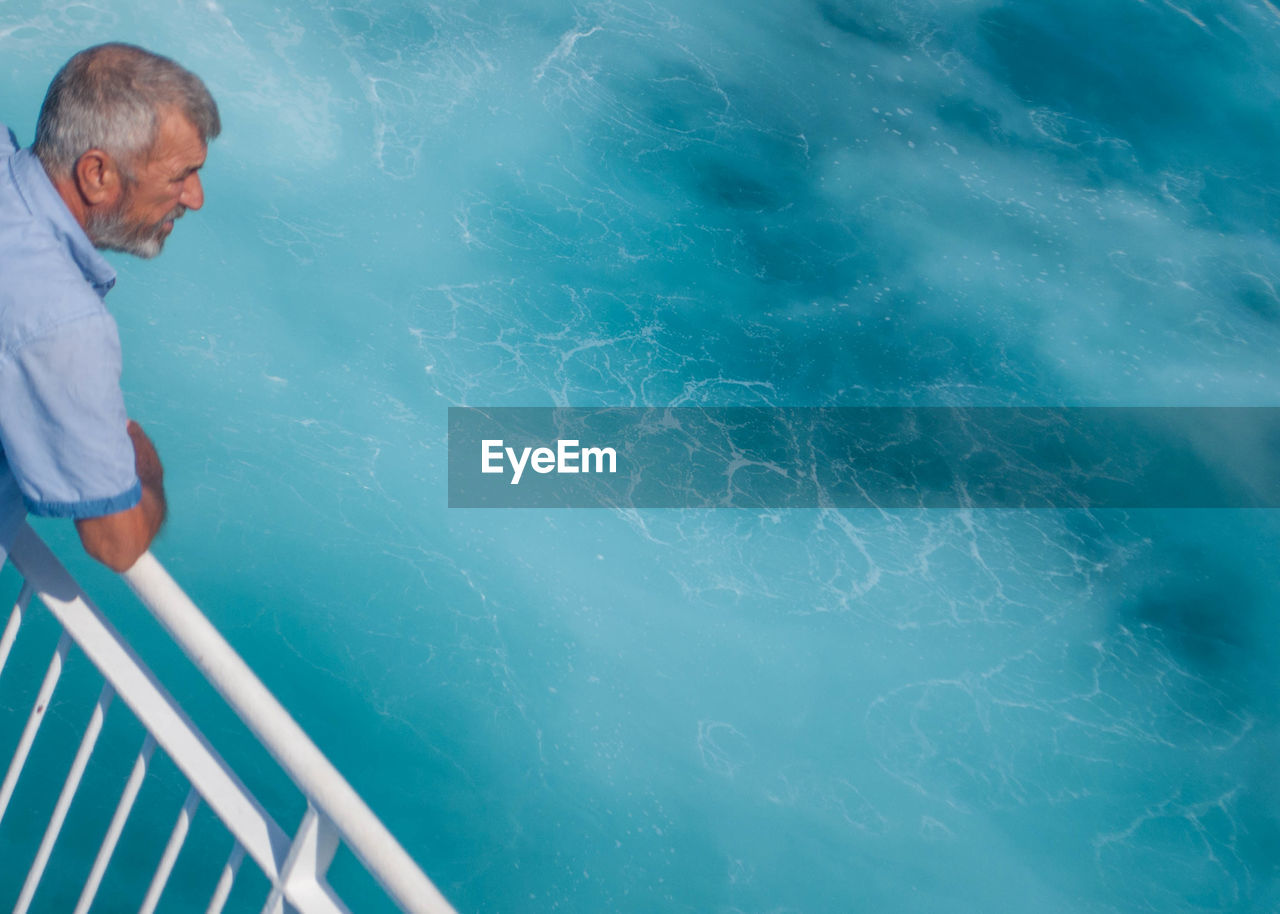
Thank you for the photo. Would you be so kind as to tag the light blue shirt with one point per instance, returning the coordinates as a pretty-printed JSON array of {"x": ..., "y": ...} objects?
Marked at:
[{"x": 64, "y": 448}]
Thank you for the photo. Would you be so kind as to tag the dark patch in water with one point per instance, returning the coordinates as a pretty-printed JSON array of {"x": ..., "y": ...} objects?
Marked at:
[
  {"x": 1196, "y": 619},
  {"x": 1205, "y": 604},
  {"x": 970, "y": 116},
  {"x": 1171, "y": 90},
  {"x": 853, "y": 19},
  {"x": 1256, "y": 294},
  {"x": 723, "y": 184}
]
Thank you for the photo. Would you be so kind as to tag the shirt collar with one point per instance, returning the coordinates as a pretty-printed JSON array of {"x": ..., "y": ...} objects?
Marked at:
[{"x": 44, "y": 203}]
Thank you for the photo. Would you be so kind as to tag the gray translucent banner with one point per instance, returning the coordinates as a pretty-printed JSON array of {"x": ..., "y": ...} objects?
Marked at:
[{"x": 865, "y": 457}]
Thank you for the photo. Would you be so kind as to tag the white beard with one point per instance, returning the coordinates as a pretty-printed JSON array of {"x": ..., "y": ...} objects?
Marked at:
[{"x": 110, "y": 231}]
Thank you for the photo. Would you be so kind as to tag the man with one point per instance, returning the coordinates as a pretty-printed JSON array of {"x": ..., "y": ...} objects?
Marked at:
[{"x": 119, "y": 144}]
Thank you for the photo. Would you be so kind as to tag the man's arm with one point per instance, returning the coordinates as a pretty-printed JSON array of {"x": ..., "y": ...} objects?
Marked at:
[{"x": 117, "y": 540}]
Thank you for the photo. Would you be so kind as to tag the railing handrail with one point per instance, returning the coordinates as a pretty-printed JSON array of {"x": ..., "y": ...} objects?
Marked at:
[
  {"x": 335, "y": 812},
  {"x": 314, "y": 775}
]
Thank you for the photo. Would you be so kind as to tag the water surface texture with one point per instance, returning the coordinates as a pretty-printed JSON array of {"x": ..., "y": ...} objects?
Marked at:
[{"x": 887, "y": 202}]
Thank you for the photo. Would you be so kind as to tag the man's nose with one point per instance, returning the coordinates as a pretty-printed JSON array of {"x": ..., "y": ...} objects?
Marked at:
[{"x": 192, "y": 192}]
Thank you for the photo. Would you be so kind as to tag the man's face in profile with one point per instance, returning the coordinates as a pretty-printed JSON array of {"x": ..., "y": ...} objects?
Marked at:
[{"x": 159, "y": 189}]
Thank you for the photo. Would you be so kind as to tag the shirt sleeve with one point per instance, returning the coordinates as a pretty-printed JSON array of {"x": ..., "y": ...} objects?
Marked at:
[{"x": 63, "y": 421}]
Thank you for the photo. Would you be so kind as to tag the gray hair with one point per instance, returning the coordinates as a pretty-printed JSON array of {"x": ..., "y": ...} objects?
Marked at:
[{"x": 109, "y": 97}]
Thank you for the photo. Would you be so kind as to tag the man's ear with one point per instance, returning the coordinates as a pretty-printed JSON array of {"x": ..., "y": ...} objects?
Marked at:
[{"x": 97, "y": 178}]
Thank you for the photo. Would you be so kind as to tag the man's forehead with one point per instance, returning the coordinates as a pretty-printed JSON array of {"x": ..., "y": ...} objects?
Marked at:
[{"x": 177, "y": 140}]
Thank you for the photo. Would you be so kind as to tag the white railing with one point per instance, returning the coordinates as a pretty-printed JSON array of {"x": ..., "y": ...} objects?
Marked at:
[{"x": 295, "y": 868}]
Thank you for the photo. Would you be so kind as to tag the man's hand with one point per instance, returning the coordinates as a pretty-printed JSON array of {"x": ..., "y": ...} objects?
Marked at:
[{"x": 116, "y": 540}]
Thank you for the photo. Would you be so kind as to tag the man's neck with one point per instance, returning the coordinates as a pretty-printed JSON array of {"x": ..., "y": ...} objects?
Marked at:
[{"x": 70, "y": 195}]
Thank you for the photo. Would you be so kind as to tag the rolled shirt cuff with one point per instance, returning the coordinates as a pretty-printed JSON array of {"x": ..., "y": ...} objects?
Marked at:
[{"x": 92, "y": 507}]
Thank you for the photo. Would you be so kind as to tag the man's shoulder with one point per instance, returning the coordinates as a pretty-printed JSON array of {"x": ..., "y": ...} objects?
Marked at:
[
  {"x": 41, "y": 285},
  {"x": 41, "y": 288}
]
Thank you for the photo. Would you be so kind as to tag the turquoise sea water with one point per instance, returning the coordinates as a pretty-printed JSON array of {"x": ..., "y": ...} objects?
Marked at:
[{"x": 421, "y": 205}]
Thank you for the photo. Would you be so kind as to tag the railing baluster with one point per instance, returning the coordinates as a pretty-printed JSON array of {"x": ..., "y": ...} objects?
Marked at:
[
  {"x": 224, "y": 883},
  {"x": 64, "y": 799},
  {"x": 123, "y": 808},
  {"x": 170, "y": 855},
  {"x": 34, "y": 721},
  {"x": 15, "y": 619}
]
